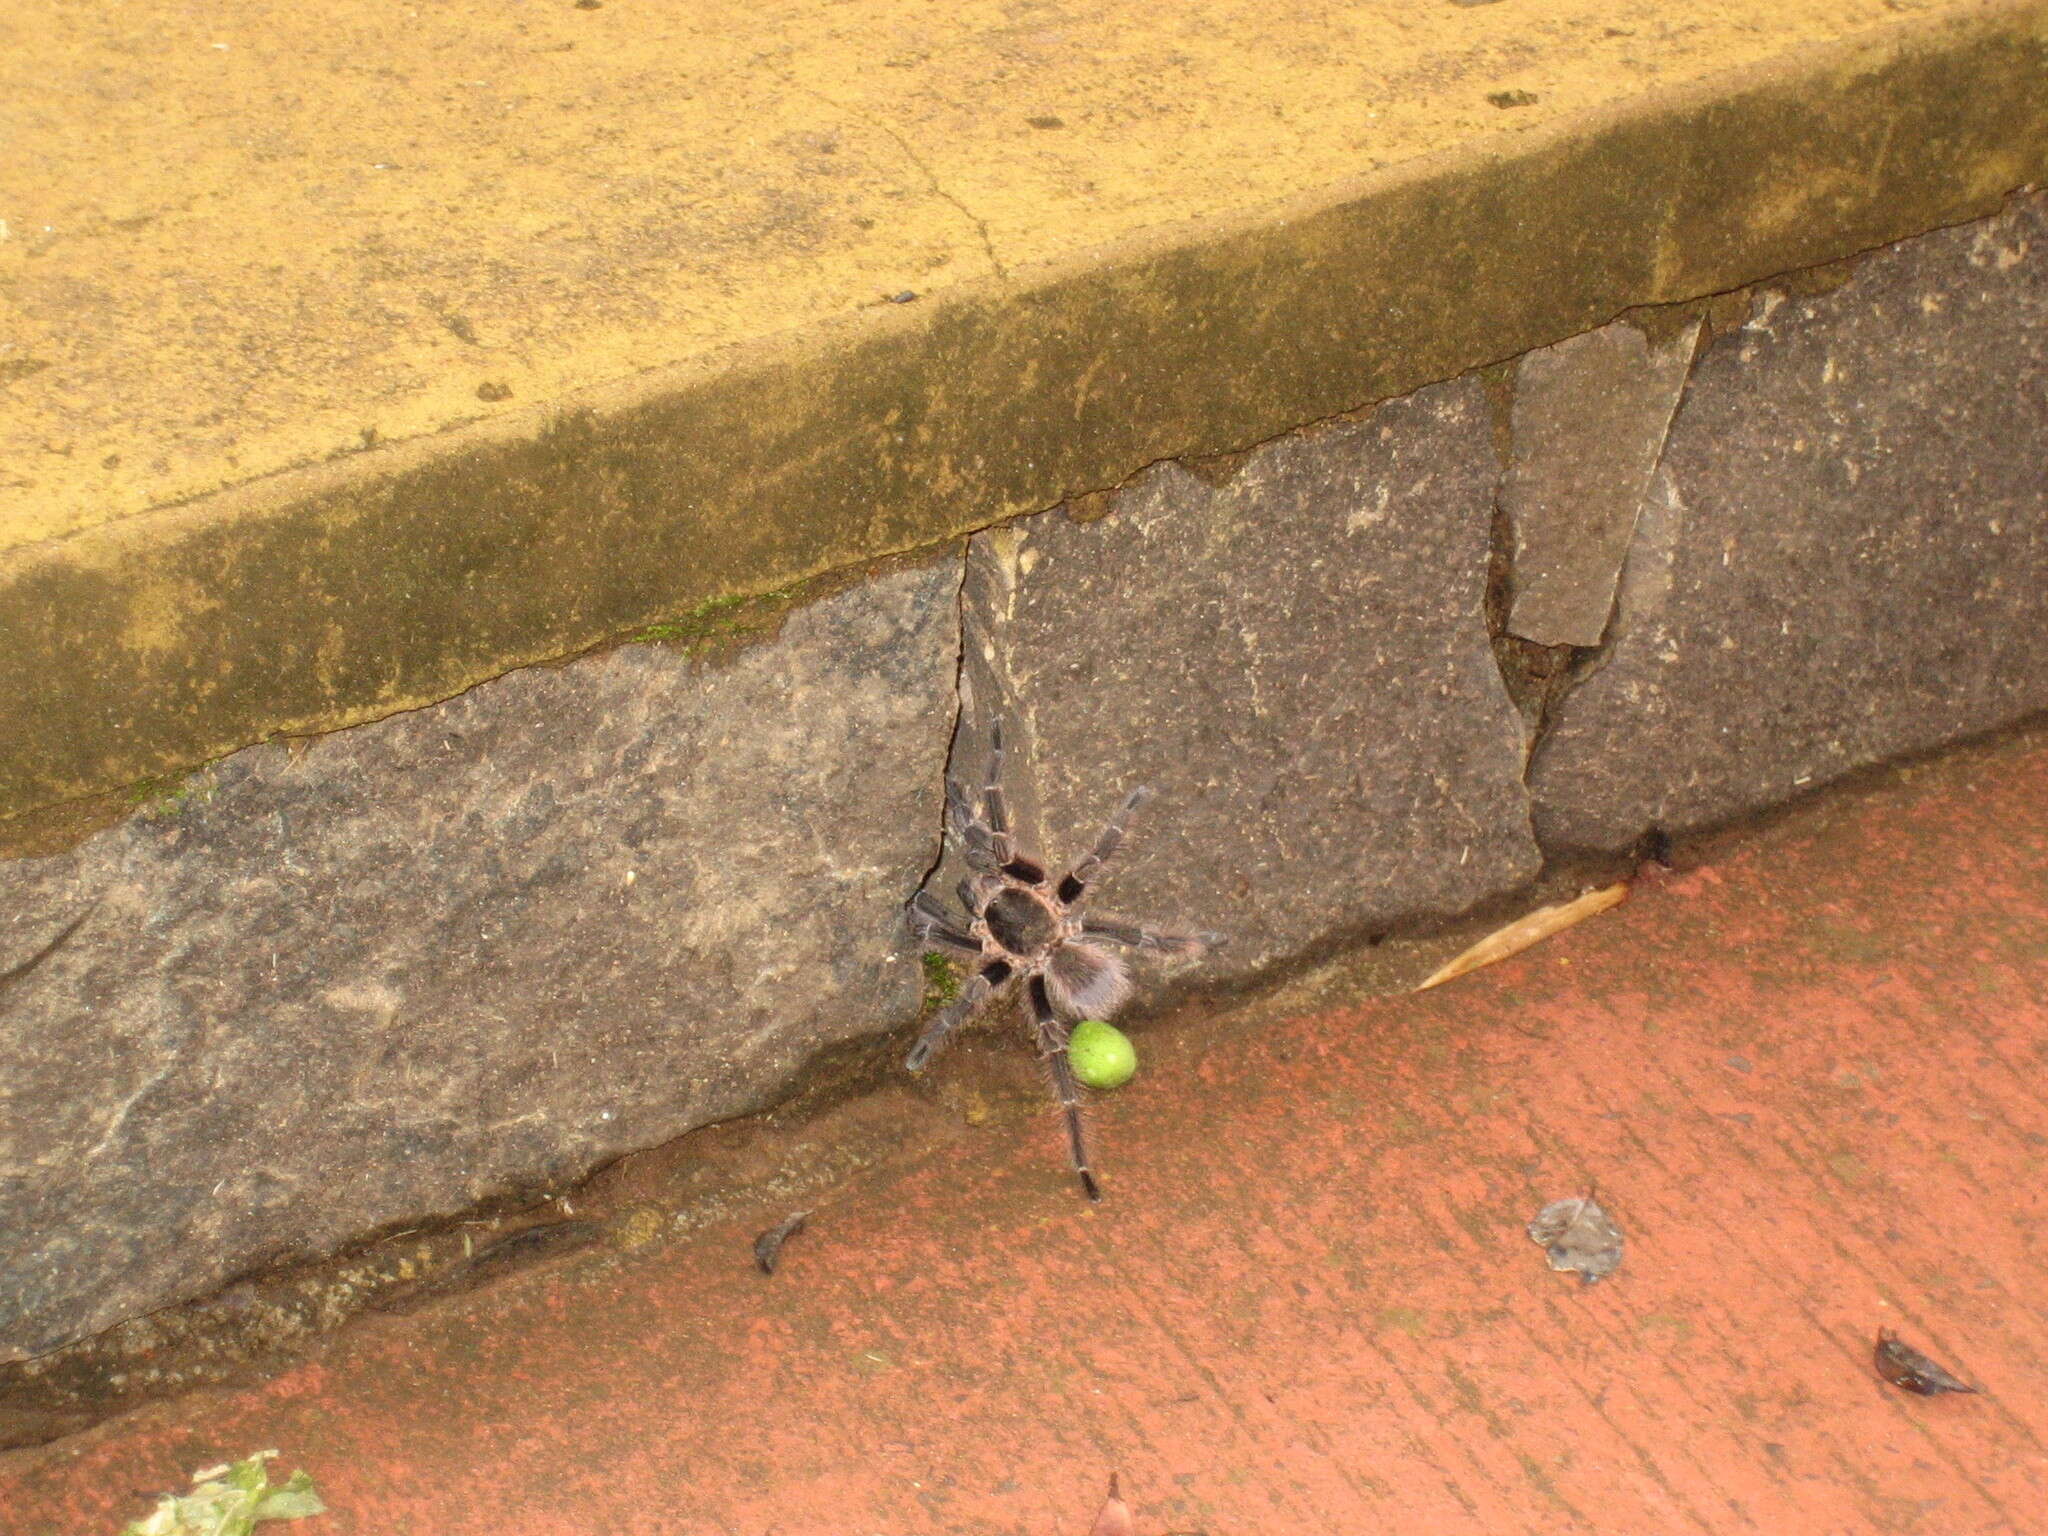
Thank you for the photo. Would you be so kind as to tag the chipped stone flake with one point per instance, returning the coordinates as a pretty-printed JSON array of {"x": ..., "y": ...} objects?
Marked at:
[{"x": 1588, "y": 423}]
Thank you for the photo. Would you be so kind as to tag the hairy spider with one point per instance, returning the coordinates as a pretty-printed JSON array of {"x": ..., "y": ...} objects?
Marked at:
[{"x": 1028, "y": 932}]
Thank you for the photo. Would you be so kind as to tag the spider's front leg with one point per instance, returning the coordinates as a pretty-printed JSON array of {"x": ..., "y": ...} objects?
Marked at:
[
  {"x": 969, "y": 830},
  {"x": 1052, "y": 1050},
  {"x": 954, "y": 1014},
  {"x": 983, "y": 826},
  {"x": 995, "y": 805},
  {"x": 936, "y": 928},
  {"x": 1074, "y": 885}
]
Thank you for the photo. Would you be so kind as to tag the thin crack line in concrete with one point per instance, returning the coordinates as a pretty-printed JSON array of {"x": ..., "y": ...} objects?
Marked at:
[{"x": 980, "y": 224}]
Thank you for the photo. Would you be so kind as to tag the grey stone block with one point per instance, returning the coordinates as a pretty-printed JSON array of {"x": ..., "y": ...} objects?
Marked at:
[
  {"x": 1588, "y": 422},
  {"x": 1845, "y": 555},
  {"x": 467, "y": 951},
  {"x": 1296, "y": 659}
]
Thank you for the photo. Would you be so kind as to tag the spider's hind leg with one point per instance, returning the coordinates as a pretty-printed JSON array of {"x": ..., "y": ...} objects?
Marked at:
[
  {"x": 1052, "y": 1050},
  {"x": 1116, "y": 930},
  {"x": 954, "y": 1014}
]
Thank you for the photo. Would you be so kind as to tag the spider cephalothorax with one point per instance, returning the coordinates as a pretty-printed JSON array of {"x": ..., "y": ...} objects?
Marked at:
[{"x": 1027, "y": 930}]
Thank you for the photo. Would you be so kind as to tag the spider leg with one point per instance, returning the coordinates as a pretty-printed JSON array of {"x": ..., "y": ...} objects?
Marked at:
[
  {"x": 996, "y": 816},
  {"x": 930, "y": 922},
  {"x": 1077, "y": 880},
  {"x": 977, "y": 891},
  {"x": 1131, "y": 935},
  {"x": 983, "y": 831},
  {"x": 969, "y": 831},
  {"x": 995, "y": 805},
  {"x": 1052, "y": 1050},
  {"x": 982, "y": 828},
  {"x": 954, "y": 1014}
]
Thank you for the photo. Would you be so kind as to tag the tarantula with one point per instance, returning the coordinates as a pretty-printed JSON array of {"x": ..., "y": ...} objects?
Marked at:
[{"x": 1027, "y": 931}]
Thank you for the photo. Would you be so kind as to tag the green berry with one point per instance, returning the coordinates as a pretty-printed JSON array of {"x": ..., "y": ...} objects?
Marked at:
[{"x": 1102, "y": 1055}]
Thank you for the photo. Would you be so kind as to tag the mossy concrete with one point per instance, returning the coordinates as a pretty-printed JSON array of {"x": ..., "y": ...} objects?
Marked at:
[{"x": 337, "y": 390}]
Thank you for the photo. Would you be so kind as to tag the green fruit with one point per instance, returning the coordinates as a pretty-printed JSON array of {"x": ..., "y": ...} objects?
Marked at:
[{"x": 1102, "y": 1054}]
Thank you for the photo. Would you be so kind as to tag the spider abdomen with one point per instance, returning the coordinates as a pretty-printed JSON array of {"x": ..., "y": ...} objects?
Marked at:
[
  {"x": 1020, "y": 922},
  {"x": 1085, "y": 982}
]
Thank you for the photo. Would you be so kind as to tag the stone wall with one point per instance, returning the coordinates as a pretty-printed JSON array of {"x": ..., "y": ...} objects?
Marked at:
[
  {"x": 1731, "y": 552},
  {"x": 1842, "y": 555}
]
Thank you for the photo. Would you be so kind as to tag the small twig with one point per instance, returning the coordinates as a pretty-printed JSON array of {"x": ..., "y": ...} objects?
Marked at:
[{"x": 1524, "y": 932}]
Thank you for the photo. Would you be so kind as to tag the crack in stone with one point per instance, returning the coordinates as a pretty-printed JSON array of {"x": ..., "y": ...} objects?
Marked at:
[
  {"x": 961, "y": 692},
  {"x": 1539, "y": 674},
  {"x": 14, "y": 973}
]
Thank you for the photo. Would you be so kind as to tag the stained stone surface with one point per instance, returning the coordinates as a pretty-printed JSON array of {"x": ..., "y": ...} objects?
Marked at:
[
  {"x": 1296, "y": 660},
  {"x": 1844, "y": 556},
  {"x": 482, "y": 948},
  {"x": 1589, "y": 420},
  {"x": 466, "y": 951}
]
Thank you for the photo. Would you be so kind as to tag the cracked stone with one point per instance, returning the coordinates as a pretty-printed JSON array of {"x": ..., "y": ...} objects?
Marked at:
[
  {"x": 1844, "y": 554},
  {"x": 474, "y": 950},
  {"x": 1589, "y": 420},
  {"x": 1296, "y": 659}
]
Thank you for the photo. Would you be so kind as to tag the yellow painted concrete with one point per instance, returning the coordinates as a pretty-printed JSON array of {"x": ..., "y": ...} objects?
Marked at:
[
  {"x": 241, "y": 238},
  {"x": 352, "y": 353}
]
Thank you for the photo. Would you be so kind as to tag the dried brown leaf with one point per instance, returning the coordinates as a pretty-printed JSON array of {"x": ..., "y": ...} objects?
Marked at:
[
  {"x": 1115, "y": 1519},
  {"x": 1524, "y": 931},
  {"x": 1904, "y": 1366},
  {"x": 1577, "y": 1235},
  {"x": 768, "y": 1246}
]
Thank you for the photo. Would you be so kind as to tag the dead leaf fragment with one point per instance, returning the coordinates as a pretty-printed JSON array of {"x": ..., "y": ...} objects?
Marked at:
[
  {"x": 1533, "y": 928},
  {"x": 1577, "y": 1235},
  {"x": 1904, "y": 1366},
  {"x": 1115, "y": 1519},
  {"x": 768, "y": 1246}
]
